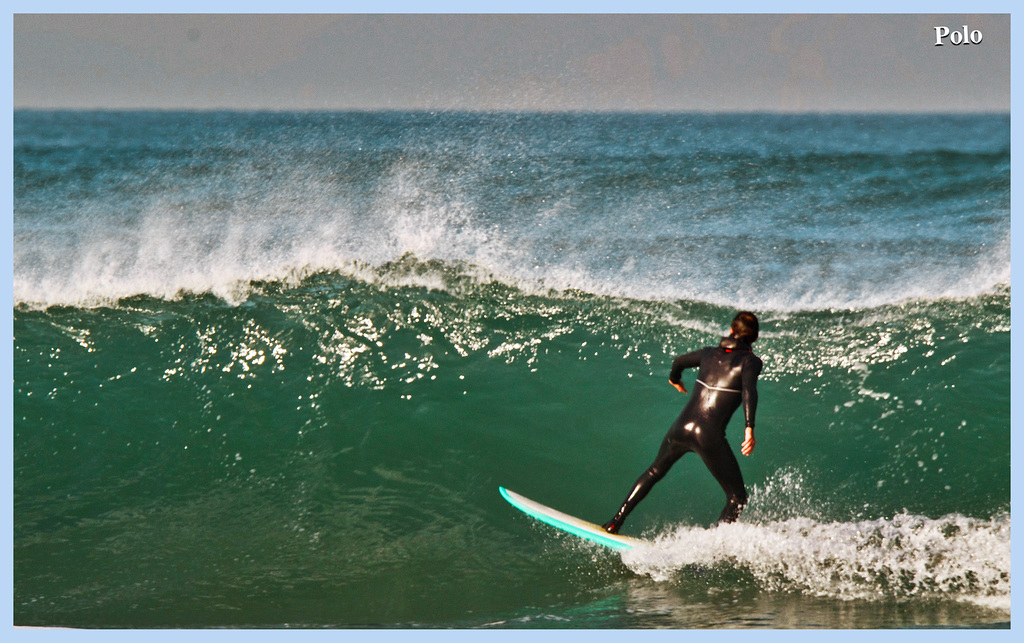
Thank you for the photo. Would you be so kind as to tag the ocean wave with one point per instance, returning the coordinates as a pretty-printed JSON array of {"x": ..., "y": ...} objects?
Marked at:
[
  {"x": 380, "y": 395},
  {"x": 99, "y": 279}
]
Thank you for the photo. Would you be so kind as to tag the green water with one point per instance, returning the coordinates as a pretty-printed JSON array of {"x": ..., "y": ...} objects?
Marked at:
[{"x": 329, "y": 452}]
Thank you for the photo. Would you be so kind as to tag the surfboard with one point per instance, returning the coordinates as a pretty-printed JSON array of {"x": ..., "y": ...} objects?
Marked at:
[{"x": 569, "y": 524}]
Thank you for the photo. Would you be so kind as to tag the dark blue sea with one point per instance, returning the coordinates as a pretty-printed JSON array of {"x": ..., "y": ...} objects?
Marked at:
[{"x": 271, "y": 368}]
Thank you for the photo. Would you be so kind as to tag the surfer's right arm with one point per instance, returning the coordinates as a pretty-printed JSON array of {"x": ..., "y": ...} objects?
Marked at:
[
  {"x": 751, "y": 369},
  {"x": 748, "y": 381},
  {"x": 748, "y": 441}
]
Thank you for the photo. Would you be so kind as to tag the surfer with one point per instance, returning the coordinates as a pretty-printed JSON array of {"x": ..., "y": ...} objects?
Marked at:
[{"x": 727, "y": 378}]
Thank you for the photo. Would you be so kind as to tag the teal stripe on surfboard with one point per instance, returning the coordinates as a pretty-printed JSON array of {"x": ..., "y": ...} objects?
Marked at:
[{"x": 569, "y": 524}]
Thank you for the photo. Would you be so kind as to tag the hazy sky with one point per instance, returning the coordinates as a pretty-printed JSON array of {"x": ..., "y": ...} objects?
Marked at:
[{"x": 542, "y": 62}]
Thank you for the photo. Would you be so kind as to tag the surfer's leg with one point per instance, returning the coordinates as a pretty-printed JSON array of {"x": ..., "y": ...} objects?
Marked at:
[
  {"x": 669, "y": 452},
  {"x": 721, "y": 461}
]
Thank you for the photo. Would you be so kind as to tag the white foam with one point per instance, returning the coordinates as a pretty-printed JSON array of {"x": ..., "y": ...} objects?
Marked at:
[{"x": 905, "y": 556}]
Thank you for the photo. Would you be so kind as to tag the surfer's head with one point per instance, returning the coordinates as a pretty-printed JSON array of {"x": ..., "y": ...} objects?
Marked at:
[{"x": 745, "y": 327}]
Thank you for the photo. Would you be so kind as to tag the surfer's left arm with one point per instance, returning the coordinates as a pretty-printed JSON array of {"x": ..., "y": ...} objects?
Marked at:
[{"x": 689, "y": 360}]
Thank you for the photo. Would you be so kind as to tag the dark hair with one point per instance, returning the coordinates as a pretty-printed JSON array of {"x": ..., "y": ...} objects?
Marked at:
[{"x": 745, "y": 327}]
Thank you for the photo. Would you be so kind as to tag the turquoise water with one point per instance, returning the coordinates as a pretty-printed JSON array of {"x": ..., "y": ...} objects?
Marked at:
[{"x": 270, "y": 369}]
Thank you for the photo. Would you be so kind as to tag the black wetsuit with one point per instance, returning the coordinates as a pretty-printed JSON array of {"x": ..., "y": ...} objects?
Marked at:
[{"x": 727, "y": 377}]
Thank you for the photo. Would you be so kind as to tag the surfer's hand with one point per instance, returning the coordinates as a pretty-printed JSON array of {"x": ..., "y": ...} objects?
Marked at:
[
  {"x": 748, "y": 442},
  {"x": 679, "y": 386}
]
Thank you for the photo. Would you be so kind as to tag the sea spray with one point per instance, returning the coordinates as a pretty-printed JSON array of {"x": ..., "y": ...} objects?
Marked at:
[{"x": 639, "y": 206}]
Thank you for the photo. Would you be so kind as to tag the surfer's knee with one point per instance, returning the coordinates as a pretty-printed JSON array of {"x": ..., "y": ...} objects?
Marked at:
[{"x": 655, "y": 473}]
